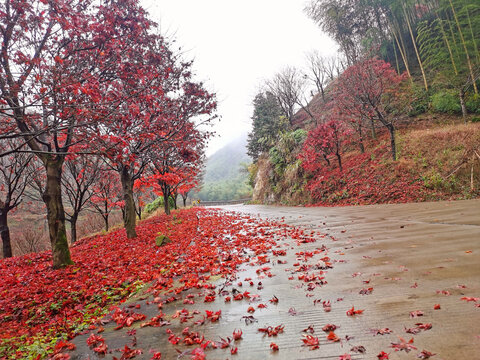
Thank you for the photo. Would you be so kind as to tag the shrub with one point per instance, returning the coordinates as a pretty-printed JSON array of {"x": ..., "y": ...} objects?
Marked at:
[
  {"x": 420, "y": 102},
  {"x": 252, "y": 174},
  {"x": 473, "y": 104},
  {"x": 277, "y": 159},
  {"x": 157, "y": 203},
  {"x": 154, "y": 205},
  {"x": 29, "y": 240},
  {"x": 446, "y": 102},
  {"x": 300, "y": 135},
  {"x": 433, "y": 180}
]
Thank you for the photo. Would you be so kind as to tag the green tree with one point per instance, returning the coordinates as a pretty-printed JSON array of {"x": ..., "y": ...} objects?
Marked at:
[{"x": 268, "y": 122}]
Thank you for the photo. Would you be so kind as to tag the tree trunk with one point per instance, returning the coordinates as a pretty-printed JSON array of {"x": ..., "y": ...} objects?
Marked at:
[
  {"x": 175, "y": 197},
  {"x": 372, "y": 124},
  {"x": 462, "y": 104},
  {"x": 326, "y": 159},
  {"x": 339, "y": 158},
  {"x": 139, "y": 212},
  {"x": 129, "y": 216},
  {"x": 360, "y": 135},
  {"x": 391, "y": 130},
  {"x": 52, "y": 197},
  {"x": 73, "y": 228},
  {"x": 5, "y": 234},
  {"x": 166, "y": 205},
  {"x": 184, "y": 198},
  {"x": 105, "y": 218}
]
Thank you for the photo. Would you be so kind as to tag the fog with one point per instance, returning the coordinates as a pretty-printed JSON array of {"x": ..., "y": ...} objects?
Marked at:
[{"x": 236, "y": 46}]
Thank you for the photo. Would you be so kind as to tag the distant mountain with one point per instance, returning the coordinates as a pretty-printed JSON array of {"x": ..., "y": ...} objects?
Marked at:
[
  {"x": 224, "y": 178},
  {"x": 225, "y": 163}
]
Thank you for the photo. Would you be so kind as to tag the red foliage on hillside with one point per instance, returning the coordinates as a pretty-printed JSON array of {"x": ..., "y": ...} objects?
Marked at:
[
  {"x": 435, "y": 163},
  {"x": 368, "y": 178}
]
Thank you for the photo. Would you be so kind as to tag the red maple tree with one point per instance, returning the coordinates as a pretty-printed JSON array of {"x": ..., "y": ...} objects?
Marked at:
[
  {"x": 369, "y": 89},
  {"x": 325, "y": 140},
  {"x": 84, "y": 77}
]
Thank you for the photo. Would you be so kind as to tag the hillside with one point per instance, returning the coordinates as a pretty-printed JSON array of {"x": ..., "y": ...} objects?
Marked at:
[
  {"x": 224, "y": 178},
  {"x": 385, "y": 120},
  {"x": 436, "y": 161}
]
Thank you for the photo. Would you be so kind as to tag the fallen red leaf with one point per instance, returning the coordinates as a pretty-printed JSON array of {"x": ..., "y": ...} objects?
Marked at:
[
  {"x": 273, "y": 346},
  {"x": 329, "y": 327},
  {"x": 332, "y": 337},
  {"x": 61, "y": 345},
  {"x": 237, "y": 334},
  {"x": 353, "y": 312},
  {"x": 102, "y": 349},
  {"x": 425, "y": 354},
  {"x": 403, "y": 345},
  {"x": 416, "y": 313},
  {"x": 468, "y": 298},
  {"x": 383, "y": 356},
  {"x": 383, "y": 331},
  {"x": 311, "y": 342},
  {"x": 309, "y": 329}
]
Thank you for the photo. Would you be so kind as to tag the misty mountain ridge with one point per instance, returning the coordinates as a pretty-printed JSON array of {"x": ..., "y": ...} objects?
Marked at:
[
  {"x": 223, "y": 177},
  {"x": 226, "y": 163}
]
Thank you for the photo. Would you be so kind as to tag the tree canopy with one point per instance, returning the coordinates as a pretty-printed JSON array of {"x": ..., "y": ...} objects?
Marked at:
[{"x": 85, "y": 78}]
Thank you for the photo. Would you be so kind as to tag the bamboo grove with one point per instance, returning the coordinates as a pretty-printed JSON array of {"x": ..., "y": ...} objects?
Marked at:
[{"x": 434, "y": 41}]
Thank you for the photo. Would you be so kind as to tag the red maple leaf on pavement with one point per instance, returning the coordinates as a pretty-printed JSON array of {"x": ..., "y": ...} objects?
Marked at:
[
  {"x": 404, "y": 345},
  {"x": 353, "y": 312},
  {"x": 311, "y": 341}
]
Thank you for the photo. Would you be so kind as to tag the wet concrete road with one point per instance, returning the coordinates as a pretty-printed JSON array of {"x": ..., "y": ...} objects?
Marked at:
[{"x": 413, "y": 256}]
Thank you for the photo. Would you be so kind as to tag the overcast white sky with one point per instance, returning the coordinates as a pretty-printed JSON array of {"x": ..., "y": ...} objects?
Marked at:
[{"x": 236, "y": 45}]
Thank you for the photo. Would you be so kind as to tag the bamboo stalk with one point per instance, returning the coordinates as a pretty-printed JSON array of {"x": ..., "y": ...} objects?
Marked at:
[
  {"x": 415, "y": 47},
  {"x": 402, "y": 50},
  {"x": 464, "y": 47},
  {"x": 445, "y": 38},
  {"x": 396, "y": 58},
  {"x": 449, "y": 21},
  {"x": 477, "y": 54}
]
